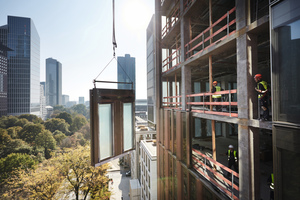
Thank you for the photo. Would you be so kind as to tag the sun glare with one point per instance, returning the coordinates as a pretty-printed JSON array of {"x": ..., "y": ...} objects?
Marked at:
[{"x": 135, "y": 15}]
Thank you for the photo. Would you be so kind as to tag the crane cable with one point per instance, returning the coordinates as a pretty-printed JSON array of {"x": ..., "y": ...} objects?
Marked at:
[{"x": 114, "y": 42}]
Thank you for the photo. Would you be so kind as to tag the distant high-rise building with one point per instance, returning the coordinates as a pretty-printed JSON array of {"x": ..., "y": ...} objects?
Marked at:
[
  {"x": 3, "y": 79},
  {"x": 44, "y": 87},
  {"x": 53, "y": 82},
  {"x": 43, "y": 101},
  {"x": 23, "y": 74},
  {"x": 126, "y": 71},
  {"x": 81, "y": 100},
  {"x": 151, "y": 80},
  {"x": 65, "y": 99}
]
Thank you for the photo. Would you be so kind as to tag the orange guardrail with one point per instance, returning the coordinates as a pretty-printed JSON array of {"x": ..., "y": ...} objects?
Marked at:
[
  {"x": 174, "y": 18},
  {"x": 190, "y": 47},
  {"x": 216, "y": 175},
  {"x": 166, "y": 62},
  {"x": 228, "y": 103},
  {"x": 172, "y": 104}
]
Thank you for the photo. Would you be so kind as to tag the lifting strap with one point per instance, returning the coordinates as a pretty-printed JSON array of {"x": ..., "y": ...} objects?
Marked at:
[{"x": 113, "y": 36}]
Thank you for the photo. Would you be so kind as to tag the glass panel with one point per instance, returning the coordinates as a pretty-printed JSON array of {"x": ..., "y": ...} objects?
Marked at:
[
  {"x": 197, "y": 127},
  {"x": 289, "y": 61},
  {"x": 105, "y": 131},
  {"x": 127, "y": 126},
  {"x": 290, "y": 174}
]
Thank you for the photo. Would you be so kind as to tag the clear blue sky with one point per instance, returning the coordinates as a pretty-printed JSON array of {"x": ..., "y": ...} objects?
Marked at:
[{"x": 78, "y": 34}]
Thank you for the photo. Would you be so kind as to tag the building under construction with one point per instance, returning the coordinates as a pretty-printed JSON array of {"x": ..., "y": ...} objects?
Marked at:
[{"x": 198, "y": 42}]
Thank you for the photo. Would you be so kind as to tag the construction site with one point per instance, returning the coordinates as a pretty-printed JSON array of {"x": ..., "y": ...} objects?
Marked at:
[{"x": 201, "y": 43}]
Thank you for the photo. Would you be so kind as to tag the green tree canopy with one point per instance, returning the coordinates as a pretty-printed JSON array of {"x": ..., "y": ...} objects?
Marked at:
[
  {"x": 78, "y": 122},
  {"x": 13, "y": 162},
  {"x": 21, "y": 122},
  {"x": 47, "y": 141},
  {"x": 14, "y": 131},
  {"x": 30, "y": 131},
  {"x": 32, "y": 118},
  {"x": 80, "y": 109},
  {"x": 59, "y": 136},
  {"x": 8, "y": 121},
  {"x": 57, "y": 124},
  {"x": 66, "y": 116}
]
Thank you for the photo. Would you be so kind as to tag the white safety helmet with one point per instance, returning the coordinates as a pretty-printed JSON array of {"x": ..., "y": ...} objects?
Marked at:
[{"x": 230, "y": 146}]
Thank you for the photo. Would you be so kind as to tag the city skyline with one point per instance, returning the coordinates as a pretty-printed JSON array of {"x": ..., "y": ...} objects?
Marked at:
[{"x": 84, "y": 44}]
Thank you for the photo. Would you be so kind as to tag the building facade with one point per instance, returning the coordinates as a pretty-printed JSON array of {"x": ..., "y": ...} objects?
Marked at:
[
  {"x": 151, "y": 74},
  {"x": 199, "y": 42},
  {"x": 53, "y": 82},
  {"x": 148, "y": 178},
  {"x": 23, "y": 87},
  {"x": 126, "y": 72},
  {"x": 81, "y": 100},
  {"x": 65, "y": 99},
  {"x": 43, "y": 101},
  {"x": 3, "y": 79}
]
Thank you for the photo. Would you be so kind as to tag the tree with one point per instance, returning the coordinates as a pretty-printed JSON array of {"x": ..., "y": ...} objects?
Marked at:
[
  {"x": 30, "y": 131},
  {"x": 41, "y": 183},
  {"x": 78, "y": 122},
  {"x": 32, "y": 118},
  {"x": 14, "y": 131},
  {"x": 59, "y": 136},
  {"x": 15, "y": 146},
  {"x": 57, "y": 124},
  {"x": 21, "y": 122},
  {"x": 85, "y": 130},
  {"x": 8, "y": 121},
  {"x": 46, "y": 140},
  {"x": 80, "y": 109},
  {"x": 83, "y": 178},
  {"x": 14, "y": 162},
  {"x": 66, "y": 116}
]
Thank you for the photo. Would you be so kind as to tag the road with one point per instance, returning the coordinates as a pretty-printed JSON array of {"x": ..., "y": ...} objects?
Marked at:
[{"x": 120, "y": 185}]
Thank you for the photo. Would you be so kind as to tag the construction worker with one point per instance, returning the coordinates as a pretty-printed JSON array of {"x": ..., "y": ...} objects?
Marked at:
[
  {"x": 271, "y": 184},
  {"x": 216, "y": 97},
  {"x": 232, "y": 158},
  {"x": 263, "y": 97}
]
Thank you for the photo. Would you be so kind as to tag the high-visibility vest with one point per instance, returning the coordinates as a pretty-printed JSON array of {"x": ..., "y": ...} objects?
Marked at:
[
  {"x": 272, "y": 183},
  {"x": 234, "y": 154},
  {"x": 218, "y": 89},
  {"x": 264, "y": 83}
]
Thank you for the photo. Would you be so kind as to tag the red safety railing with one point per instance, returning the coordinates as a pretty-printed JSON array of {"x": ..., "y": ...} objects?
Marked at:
[
  {"x": 172, "y": 102},
  {"x": 171, "y": 61},
  {"x": 213, "y": 171},
  {"x": 171, "y": 22},
  {"x": 227, "y": 105},
  {"x": 187, "y": 4},
  {"x": 197, "y": 44}
]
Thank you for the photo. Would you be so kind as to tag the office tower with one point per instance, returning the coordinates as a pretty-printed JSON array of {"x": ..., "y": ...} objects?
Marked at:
[
  {"x": 53, "y": 82},
  {"x": 199, "y": 42},
  {"x": 65, "y": 99},
  {"x": 126, "y": 71},
  {"x": 3, "y": 79},
  {"x": 151, "y": 81},
  {"x": 23, "y": 88},
  {"x": 44, "y": 87},
  {"x": 81, "y": 100},
  {"x": 43, "y": 101}
]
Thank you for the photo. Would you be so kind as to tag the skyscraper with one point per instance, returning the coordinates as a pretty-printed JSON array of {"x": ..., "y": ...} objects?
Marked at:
[
  {"x": 3, "y": 79},
  {"x": 81, "y": 100},
  {"x": 126, "y": 71},
  {"x": 53, "y": 82},
  {"x": 23, "y": 87}
]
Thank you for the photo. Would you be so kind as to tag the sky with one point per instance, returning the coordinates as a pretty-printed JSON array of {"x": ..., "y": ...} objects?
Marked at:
[{"x": 78, "y": 34}]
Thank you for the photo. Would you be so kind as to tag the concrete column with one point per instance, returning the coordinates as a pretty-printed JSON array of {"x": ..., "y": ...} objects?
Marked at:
[
  {"x": 186, "y": 85},
  {"x": 244, "y": 163},
  {"x": 255, "y": 162}
]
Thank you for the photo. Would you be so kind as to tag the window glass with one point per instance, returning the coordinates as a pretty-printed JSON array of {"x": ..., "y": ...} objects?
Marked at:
[
  {"x": 105, "y": 131},
  {"x": 288, "y": 72},
  {"x": 127, "y": 126}
]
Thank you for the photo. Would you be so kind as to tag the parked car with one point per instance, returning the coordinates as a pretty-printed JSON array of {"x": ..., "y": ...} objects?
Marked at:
[{"x": 128, "y": 173}]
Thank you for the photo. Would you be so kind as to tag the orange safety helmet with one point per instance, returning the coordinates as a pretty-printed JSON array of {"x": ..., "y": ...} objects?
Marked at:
[
  {"x": 258, "y": 76},
  {"x": 215, "y": 82}
]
